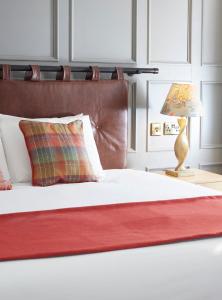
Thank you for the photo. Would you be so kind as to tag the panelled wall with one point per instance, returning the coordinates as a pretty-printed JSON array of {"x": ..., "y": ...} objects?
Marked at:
[{"x": 181, "y": 37}]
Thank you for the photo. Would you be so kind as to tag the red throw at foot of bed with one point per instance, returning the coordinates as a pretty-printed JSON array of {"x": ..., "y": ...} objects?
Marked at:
[{"x": 108, "y": 227}]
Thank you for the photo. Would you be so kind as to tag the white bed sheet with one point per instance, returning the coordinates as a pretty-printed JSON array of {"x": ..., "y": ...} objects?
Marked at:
[
  {"x": 118, "y": 186},
  {"x": 182, "y": 271}
]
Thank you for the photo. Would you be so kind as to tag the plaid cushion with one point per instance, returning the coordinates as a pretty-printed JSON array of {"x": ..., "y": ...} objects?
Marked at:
[{"x": 57, "y": 152}]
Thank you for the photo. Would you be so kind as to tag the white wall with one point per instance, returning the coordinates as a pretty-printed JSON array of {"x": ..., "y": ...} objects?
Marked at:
[{"x": 181, "y": 37}]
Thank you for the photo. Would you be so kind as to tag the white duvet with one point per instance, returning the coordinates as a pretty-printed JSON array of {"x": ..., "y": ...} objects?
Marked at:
[{"x": 182, "y": 271}]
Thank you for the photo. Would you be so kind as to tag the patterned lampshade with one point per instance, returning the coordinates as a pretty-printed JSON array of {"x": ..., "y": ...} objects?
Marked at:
[{"x": 182, "y": 101}]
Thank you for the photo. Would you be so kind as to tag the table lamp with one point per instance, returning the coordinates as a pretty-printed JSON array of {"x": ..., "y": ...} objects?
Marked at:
[{"x": 182, "y": 101}]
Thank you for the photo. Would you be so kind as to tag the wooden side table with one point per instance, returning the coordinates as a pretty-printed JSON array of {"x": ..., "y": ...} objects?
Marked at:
[{"x": 201, "y": 177}]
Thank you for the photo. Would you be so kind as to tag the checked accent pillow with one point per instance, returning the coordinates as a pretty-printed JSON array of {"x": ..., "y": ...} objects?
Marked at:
[{"x": 57, "y": 152}]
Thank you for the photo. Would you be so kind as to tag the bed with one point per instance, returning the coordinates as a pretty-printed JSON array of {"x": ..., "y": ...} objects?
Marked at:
[{"x": 181, "y": 271}]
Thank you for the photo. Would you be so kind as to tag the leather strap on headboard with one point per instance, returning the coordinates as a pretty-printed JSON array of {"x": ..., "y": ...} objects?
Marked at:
[
  {"x": 118, "y": 74},
  {"x": 105, "y": 101},
  {"x": 6, "y": 72},
  {"x": 94, "y": 73},
  {"x": 34, "y": 74},
  {"x": 65, "y": 74}
]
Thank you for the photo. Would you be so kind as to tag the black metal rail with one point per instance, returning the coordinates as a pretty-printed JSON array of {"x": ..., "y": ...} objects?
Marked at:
[{"x": 127, "y": 70}]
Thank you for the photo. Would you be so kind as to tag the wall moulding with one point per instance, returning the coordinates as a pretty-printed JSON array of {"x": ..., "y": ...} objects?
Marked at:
[
  {"x": 110, "y": 60},
  {"x": 188, "y": 59},
  {"x": 202, "y": 120},
  {"x": 203, "y": 62},
  {"x": 54, "y": 57},
  {"x": 132, "y": 118}
]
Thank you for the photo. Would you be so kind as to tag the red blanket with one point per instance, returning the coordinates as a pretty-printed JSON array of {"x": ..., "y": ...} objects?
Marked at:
[{"x": 108, "y": 227}]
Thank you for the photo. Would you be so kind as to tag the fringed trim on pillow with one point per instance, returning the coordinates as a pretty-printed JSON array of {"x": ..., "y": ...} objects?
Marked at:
[{"x": 4, "y": 184}]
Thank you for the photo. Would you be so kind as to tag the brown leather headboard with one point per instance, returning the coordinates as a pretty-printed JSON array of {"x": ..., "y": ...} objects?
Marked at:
[{"x": 105, "y": 101}]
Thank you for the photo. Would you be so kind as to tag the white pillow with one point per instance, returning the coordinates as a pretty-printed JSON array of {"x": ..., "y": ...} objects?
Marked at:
[
  {"x": 17, "y": 154},
  {"x": 90, "y": 144}
]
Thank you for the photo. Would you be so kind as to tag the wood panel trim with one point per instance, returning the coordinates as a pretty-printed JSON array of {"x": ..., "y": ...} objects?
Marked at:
[
  {"x": 132, "y": 139},
  {"x": 207, "y": 64},
  {"x": 189, "y": 35},
  {"x": 202, "y": 145},
  {"x": 55, "y": 43},
  {"x": 210, "y": 165},
  {"x": 108, "y": 60}
]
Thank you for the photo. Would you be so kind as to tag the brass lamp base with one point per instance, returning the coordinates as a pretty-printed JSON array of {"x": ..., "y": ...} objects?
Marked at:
[
  {"x": 181, "y": 148},
  {"x": 180, "y": 173}
]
